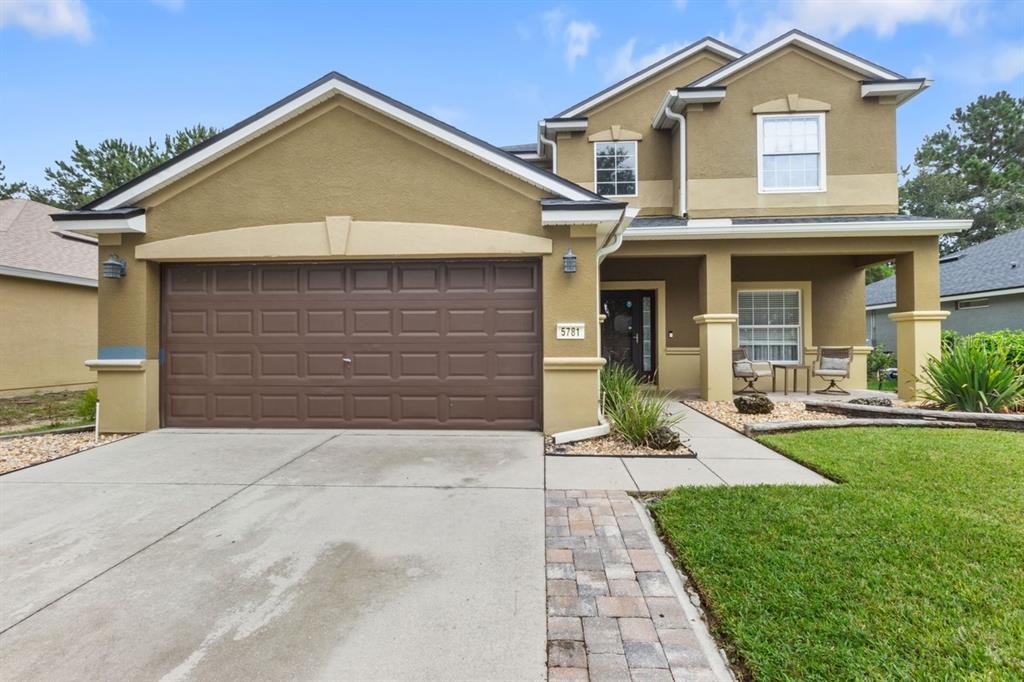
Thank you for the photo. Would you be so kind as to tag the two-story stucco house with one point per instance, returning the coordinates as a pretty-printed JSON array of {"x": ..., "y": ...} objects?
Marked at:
[{"x": 340, "y": 259}]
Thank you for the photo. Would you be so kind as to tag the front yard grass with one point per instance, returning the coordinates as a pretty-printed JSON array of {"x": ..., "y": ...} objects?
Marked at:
[{"x": 911, "y": 568}]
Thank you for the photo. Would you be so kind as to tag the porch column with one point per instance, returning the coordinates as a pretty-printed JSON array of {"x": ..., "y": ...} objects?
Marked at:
[
  {"x": 715, "y": 325},
  {"x": 918, "y": 315}
]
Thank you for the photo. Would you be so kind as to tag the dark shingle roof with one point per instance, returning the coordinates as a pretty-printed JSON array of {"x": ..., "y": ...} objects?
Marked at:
[
  {"x": 520, "y": 148},
  {"x": 989, "y": 266}
]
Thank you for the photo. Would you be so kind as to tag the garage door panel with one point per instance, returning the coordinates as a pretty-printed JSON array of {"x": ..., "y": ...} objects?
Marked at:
[{"x": 430, "y": 344}]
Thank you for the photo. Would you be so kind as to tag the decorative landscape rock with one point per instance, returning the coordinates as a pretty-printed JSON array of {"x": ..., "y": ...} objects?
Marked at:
[
  {"x": 664, "y": 438},
  {"x": 753, "y": 404},
  {"x": 877, "y": 402}
]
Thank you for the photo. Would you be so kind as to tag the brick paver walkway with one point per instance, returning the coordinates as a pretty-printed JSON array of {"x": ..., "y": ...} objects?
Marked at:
[{"x": 612, "y": 611}]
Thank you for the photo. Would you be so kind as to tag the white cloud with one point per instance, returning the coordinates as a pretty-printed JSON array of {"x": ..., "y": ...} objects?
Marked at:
[
  {"x": 45, "y": 18},
  {"x": 575, "y": 35},
  {"x": 170, "y": 5},
  {"x": 833, "y": 19},
  {"x": 578, "y": 35},
  {"x": 625, "y": 63},
  {"x": 1007, "y": 63}
]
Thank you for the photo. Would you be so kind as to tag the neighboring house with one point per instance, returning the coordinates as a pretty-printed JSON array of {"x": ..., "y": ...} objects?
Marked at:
[
  {"x": 47, "y": 301},
  {"x": 340, "y": 259},
  {"x": 982, "y": 289}
]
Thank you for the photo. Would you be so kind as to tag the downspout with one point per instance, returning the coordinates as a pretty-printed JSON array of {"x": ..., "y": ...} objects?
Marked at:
[
  {"x": 681, "y": 120},
  {"x": 550, "y": 143}
]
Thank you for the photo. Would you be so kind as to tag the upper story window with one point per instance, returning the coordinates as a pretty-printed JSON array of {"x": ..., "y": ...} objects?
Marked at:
[
  {"x": 615, "y": 168},
  {"x": 791, "y": 153}
]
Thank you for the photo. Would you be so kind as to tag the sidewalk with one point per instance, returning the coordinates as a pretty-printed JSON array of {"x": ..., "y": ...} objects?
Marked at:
[{"x": 724, "y": 457}]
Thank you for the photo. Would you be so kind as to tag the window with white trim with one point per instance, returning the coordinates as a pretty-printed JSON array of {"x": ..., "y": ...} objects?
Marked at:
[
  {"x": 615, "y": 168},
  {"x": 791, "y": 153},
  {"x": 769, "y": 324}
]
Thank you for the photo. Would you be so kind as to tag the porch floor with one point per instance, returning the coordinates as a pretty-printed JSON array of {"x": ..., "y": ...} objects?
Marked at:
[{"x": 801, "y": 395}]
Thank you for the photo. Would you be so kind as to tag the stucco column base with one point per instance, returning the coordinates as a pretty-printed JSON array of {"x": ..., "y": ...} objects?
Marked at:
[
  {"x": 716, "y": 334},
  {"x": 571, "y": 393},
  {"x": 918, "y": 336},
  {"x": 129, "y": 395}
]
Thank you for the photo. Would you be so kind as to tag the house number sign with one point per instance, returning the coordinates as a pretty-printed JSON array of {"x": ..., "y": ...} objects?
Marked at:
[{"x": 569, "y": 330}]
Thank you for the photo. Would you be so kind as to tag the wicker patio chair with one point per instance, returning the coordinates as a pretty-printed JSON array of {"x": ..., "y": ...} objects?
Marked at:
[
  {"x": 743, "y": 368},
  {"x": 833, "y": 365}
]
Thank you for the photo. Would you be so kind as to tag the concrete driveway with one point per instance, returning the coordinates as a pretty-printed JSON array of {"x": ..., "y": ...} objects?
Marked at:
[{"x": 247, "y": 555}]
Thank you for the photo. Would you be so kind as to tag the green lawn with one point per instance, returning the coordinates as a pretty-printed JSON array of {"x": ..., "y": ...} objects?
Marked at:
[{"x": 911, "y": 568}]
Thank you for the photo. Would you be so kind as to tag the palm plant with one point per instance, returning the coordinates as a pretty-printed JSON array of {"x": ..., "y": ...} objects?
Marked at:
[{"x": 973, "y": 377}]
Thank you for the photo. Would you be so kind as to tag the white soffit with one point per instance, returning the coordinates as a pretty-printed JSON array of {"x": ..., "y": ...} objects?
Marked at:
[
  {"x": 331, "y": 86},
  {"x": 879, "y": 228},
  {"x": 107, "y": 225}
]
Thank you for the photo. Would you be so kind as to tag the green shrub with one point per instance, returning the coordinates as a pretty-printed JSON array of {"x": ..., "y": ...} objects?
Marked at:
[
  {"x": 949, "y": 338},
  {"x": 619, "y": 384},
  {"x": 974, "y": 376},
  {"x": 637, "y": 418},
  {"x": 878, "y": 359},
  {"x": 87, "y": 405},
  {"x": 1009, "y": 342}
]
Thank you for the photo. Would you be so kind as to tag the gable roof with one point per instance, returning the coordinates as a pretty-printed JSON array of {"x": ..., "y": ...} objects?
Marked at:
[
  {"x": 994, "y": 265},
  {"x": 318, "y": 91},
  {"x": 31, "y": 247},
  {"x": 706, "y": 43},
  {"x": 870, "y": 70}
]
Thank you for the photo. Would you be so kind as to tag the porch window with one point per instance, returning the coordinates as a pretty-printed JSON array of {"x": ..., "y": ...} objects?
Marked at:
[
  {"x": 769, "y": 325},
  {"x": 791, "y": 153},
  {"x": 615, "y": 168}
]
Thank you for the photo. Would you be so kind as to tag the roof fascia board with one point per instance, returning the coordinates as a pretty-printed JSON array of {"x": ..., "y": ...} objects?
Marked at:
[
  {"x": 991, "y": 293},
  {"x": 902, "y": 90},
  {"x": 337, "y": 85},
  {"x": 44, "y": 276},
  {"x": 885, "y": 228},
  {"x": 807, "y": 42},
  {"x": 585, "y": 216},
  {"x": 677, "y": 100},
  {"x": 711, "y": 44},
  {"x": 105, "y": 224}
]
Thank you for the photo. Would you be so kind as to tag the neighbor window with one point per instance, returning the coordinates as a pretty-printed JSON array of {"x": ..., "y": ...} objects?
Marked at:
[
  {"x": 769, "y": 325},
  {"x": 615, "y": 168},
  {"x": 791, "y": 153}
]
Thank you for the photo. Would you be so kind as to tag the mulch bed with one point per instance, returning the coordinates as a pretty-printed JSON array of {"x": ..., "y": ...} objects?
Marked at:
[{"x": 610, "y": 446}]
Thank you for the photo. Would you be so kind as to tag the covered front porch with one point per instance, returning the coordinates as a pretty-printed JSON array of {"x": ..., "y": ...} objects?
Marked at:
[{"x": 676, "y": 305}]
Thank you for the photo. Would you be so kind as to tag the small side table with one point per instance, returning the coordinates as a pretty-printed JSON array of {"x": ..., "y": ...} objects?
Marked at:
[{"x": 785, "y": 366}]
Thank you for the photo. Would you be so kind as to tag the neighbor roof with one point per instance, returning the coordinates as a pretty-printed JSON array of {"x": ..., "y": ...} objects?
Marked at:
[
  {"x": 991, "y": 266},
  {"x": 706, "y": 43},
  {"x": 318, "y": 91},
  {"x": 30, "y": 245}
]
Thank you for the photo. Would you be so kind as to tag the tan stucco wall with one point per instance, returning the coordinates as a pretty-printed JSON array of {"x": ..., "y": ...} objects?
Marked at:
[
  {"x": 341, "y": 159},
  {"x": 860, "y": 139},
  {"x": 634, "y": 110},
  {"x": 47, "y": 330}
]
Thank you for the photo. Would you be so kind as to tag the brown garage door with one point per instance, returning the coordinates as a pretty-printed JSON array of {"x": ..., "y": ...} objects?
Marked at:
[{"x": 411, "y": 344}]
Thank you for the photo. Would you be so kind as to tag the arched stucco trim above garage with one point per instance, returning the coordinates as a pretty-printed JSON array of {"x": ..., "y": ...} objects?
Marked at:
[{"x": 341, "y": 236}]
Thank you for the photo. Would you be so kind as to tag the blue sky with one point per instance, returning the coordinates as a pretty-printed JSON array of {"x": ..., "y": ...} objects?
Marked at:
[{"x": 88, "y": 69}]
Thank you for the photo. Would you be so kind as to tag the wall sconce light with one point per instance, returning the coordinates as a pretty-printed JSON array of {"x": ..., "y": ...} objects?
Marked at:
[
  {"x": 114, "y": 267},
  {"x": 569, "y": 262}
]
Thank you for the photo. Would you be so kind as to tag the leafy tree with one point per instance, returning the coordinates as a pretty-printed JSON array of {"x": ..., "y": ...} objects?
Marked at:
[
  {"x": 91, "y": 172},
  {"x": 973, "y": 168},
  {"x": 873, "y": 273},
  {"x": 9, "y": 190}
]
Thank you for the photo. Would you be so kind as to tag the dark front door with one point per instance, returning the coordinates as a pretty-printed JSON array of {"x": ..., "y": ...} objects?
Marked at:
[{"x": 627, "y": 333}]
